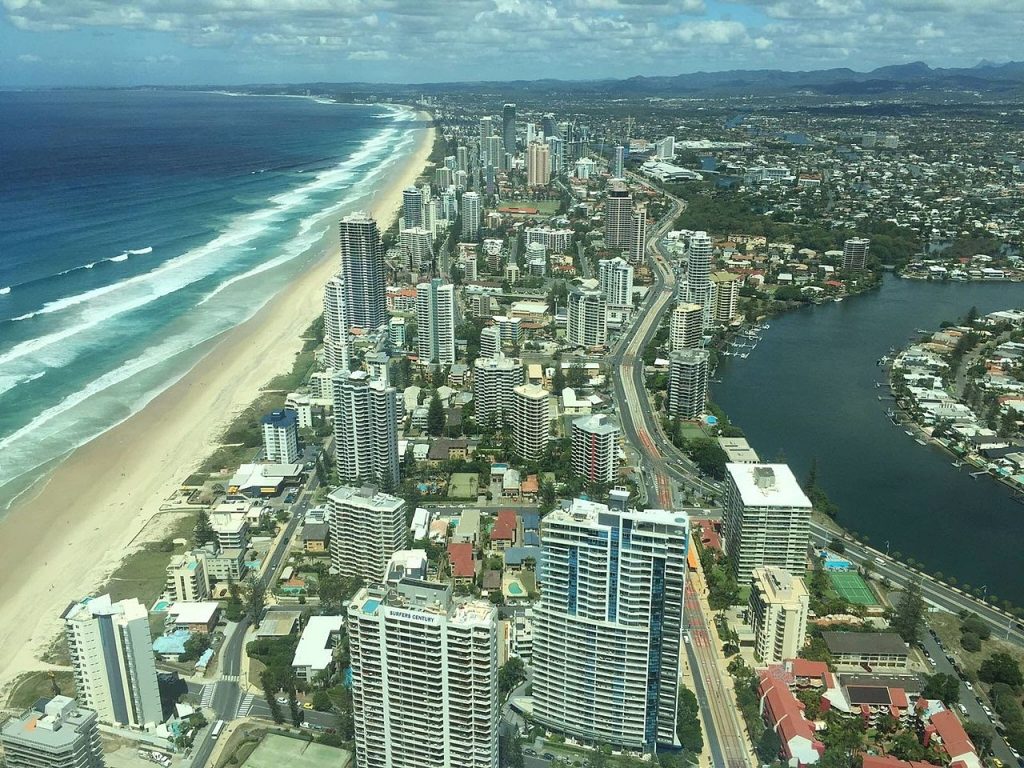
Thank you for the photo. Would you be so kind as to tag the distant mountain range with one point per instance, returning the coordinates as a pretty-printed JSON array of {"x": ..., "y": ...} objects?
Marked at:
[{"x": 1004, "y": 79}]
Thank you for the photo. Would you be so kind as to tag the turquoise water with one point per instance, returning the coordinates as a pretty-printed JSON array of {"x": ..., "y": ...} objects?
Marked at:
[{"x": 138, "y": 225}]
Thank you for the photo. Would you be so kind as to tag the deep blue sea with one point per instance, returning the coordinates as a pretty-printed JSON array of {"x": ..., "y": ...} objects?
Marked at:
[{"x": 134, "y": 225}]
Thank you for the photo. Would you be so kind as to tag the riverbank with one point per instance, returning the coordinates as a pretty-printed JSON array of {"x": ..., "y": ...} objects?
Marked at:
[{"x": 68, "y": 538}]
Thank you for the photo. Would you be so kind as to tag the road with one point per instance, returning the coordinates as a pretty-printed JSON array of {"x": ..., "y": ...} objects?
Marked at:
[
  {"x": 727, "y": 741},
  {"x": 227, "y": 694}
]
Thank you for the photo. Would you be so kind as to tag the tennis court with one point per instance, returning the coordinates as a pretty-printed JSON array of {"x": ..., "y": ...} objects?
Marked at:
[{"x": 852, "y": 588}]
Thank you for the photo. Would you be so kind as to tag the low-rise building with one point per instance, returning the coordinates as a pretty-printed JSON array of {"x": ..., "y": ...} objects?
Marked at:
[
  {"x": 867, "y": 650},
  {"x": 200, "y": 617},
  {"x": 314, "y": 655}
]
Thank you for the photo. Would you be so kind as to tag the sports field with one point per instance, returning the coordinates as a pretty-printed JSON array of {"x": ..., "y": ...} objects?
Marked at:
[
  {"x": 852, "y": 588},
  {"x": 276, "y": 751}
]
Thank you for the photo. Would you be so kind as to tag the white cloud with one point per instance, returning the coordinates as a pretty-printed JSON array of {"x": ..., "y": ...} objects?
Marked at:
[{"x": 29, "y": 58}]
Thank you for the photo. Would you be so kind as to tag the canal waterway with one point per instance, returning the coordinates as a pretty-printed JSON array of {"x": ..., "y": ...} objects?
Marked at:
[{"x": 808, "y": 391}]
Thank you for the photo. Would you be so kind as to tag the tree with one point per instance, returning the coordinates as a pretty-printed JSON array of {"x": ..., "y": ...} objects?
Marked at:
[
  {"x": 942, "y": 686},
  {"x": 970, "y": 642},
  {"x": 708, "y": 455},
  {"x": 270, "y": 691},
  {"x": 577, "y": 376},
  {"x": 435, "y": 416},
  {"x": 907, "y": 618},
  {"x": 687, "y": 722},
  {"x": 203, "y": 533},
  {"x": 811, "y": 699},
  {"x": 322, "y": 702},
  {"x": 972, "y": 622},
  {"x": 981, "y": 734},
  {"x": 558, "y": 379},
  {"x": 511, "y": 674},
  {"x": 256, "y": 599},
  {"x": 768, "y": 746},
  {"x": 196, "y": 645},
  {"x": 293, "y": 705},
  {"x": 1001, "y": 668}
]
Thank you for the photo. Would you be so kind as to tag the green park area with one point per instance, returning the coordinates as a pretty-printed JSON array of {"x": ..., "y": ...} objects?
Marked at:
[
  {"x": 463, "y": 485},
  {"x": 546, "y": 207},
  {"x": 275, "y": 751}
]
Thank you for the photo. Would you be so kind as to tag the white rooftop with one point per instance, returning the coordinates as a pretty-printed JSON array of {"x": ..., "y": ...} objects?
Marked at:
[
  {"x": 767, "y": 485},
  {"x": 314, "y": 649},
  {"x": 193, "y": 613}
]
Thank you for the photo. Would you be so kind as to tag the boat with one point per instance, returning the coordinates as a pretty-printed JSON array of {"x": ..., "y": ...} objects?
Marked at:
[
  {"x": 921, "y": 442},
  {"x": 909, "y": 433},
  {"x": 745, "y": 355},
  {"x": 837, "y": 299}
]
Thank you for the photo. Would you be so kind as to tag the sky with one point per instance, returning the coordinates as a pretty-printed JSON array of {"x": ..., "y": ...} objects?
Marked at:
[{"x": 231, "y": 42}]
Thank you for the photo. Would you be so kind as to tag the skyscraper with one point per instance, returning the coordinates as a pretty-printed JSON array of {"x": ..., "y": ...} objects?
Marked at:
[
  {"x": 362, "y": 272},
  {"x": 556, "y": 149},
  {"x": 281, "y": 436},
  {"x": 412, "y": 207},
  {"x": 366, "y": 528},
  {"x": 508, "y": 127},
  {"x": 699, "y": 253},
  {"x": 494, "y": 381},
  {"x": 54, "y": 733},
  {"x": 486, "y": 132},
  {"x": 616, "y": 278},
  {"x": 725, "y": 295},
  {"x": 417, "y": 247},
  {"x": 494, "y": 153},
  {"x": 855, "y": 254},
  {"x": 766, "y": 519},
  {"x": 365, "y": 429},
  {"x": 595, "y": 448},
  {"x": 111, "y": 651},
  {"x": 548, "y": 125},
  {"x": 538, "y": 165},
  {"x": 686, "y": 327},
  {"x": 471, "y": 216},
  {"x": 638, "y": 234},
  {"x": 587, "y": 323},
  {"x": 424, "y": 677},
  {"x": 531, "y": 421},
  {"x": 618, "y": 216},
  {"x": 687, "y": 383},
  {"x": 435, "y": 322},
  {"x": 607, "y": 627},
  {"x": 619, "y": 162},
  {"x": 490, "y": 337},
  {"x": 335, "y": 325},
  {"x": 462, "y": 158}
]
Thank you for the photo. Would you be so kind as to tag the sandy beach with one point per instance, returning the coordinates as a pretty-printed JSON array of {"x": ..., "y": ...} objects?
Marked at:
[{"x": 67, "y": 539}]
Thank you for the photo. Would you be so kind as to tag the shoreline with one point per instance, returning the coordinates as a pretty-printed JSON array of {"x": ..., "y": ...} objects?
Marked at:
[{"x": 90, "y": 511}]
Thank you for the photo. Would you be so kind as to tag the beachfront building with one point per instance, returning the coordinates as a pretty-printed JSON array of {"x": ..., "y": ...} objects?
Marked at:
[
  {"x": 424, "y": 677},
  {"x": 595, "y": 448},
  {"x": 53, "y": 733},
  {"x": 314, "y": 655},
  {"x": 412, "y": 207},
  {"x": 111, "y": 652},
  {"x": 362, "y": 272},
  {"x": 766, "y": 521},
  {"x": 606, "y": 632},
  {"x": 435, "y": 322},
  {"x": 687, "y": 383},
  {"x": 367, "y": 527},
  {"x": 336, "y": 348},
  {"x": 494, "y": 382},
  {"x": 777, "y": 611},
  {"x": 587, "y": 324},
  {"x": 281, "y": 436},
  {"x": 187, "y": 580},
  {"x": 365, "y": 429},
  {"x": 616, "y": 279},
  {"x": 686, "y": 327},
  {"x": 471, "y": 213},
  {"x": 531, "y": 421}
]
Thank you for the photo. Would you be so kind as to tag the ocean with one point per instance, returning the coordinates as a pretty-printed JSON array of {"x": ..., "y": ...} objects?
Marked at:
[{"x": 135, "y": 225}]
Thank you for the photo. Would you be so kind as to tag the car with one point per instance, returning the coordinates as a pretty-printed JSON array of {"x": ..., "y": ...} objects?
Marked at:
[
  {"x": 968, "y": 684},
  {"x": 997, "y": 762},
  {"x": 307, "y": 705},
  {"x": 962, "y": 708},
  {"x": 548, "y": 756},
  {"x": 987, "y": 710},
  {"x": 529, "y": 751},
  {"x": 282, "y": 699}
]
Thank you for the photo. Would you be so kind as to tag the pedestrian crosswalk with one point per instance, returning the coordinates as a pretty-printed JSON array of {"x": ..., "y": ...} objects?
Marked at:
[
  {"x": 230, "y": 678},
  {"x": 206, "y": 697},
  {"x": 245, "y": 705}
]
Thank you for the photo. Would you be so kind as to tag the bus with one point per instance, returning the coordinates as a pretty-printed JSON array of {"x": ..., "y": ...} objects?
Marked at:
[{"x": 217, "y": 727}]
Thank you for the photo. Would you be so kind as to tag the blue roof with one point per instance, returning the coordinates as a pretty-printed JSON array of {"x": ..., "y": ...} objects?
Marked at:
[
  {"x": 282, "y": 418},
  {"x": 516, "y": 555},
  {"x": 531, "y": 538},
  {"x": 172, "y": 644},
  {"x": 530, "y": 520},
  {"x": 204, "y": 660}
]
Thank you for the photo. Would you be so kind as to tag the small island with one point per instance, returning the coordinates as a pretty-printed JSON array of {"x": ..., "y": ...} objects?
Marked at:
[{"x": 962, "y": 388}]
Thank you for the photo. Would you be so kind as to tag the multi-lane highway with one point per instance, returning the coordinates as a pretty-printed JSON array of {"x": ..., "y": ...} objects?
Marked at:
[{"x": 727, "y": 741}]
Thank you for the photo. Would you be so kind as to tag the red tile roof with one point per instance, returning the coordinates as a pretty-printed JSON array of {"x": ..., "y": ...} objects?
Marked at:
[
  {"x": 461, "y": 557},
  {"x": 888, "y": 761},
  {"x": 955, "y": 741},
  {"x": 505, "y": 526},
  {"x": 786, "y": 713}
]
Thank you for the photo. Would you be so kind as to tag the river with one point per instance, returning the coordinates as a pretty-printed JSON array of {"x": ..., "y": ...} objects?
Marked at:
[{"x": 808, "y": 391}]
